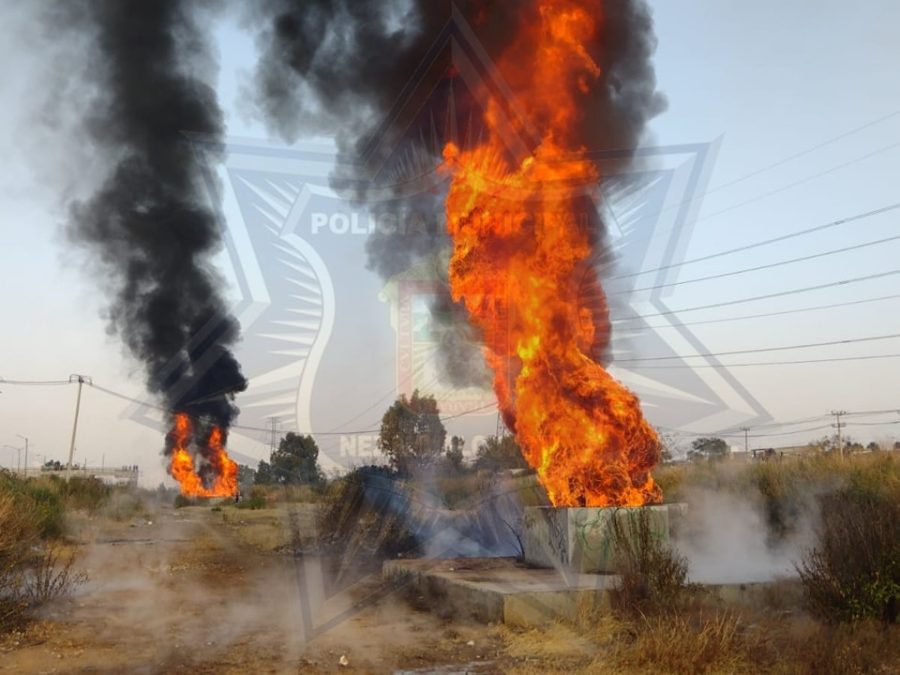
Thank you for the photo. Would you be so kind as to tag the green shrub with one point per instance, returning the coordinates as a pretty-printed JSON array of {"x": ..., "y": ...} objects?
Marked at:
[
  {"x": 40, "y": 499},
  {"x": 853, "y": 572}
]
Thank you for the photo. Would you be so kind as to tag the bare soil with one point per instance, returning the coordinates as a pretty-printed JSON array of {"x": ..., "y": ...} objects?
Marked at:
[{"x": 197, "y": 590}]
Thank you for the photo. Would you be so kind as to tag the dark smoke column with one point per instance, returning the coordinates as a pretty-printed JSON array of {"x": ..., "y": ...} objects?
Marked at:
[{"x": 150, "y": 226}]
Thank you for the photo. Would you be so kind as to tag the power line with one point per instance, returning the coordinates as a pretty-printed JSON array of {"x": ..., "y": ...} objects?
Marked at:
[
  {"x": 740, "y": 434},
  {"x": 810, "y": 345},
  {"x": 819, "y": 418},
  {"x": 785, "y": 160},
  {"x": 801, "y": 153},
  {"x": 765, "y": 242},
  {"x": 780, "y": 294},
  {"x": 889, "y": 411},
  {"x": 379, "y": 401},
  {"x": 3, "y": 380},
  {"x": 801, "y": 181},
  {"x": 758, "y": 268},
  {"x": 790, "y": 423},
  {"x": 870, "y": 357},
  {"x": 269, "y": 429},
  {"x": 763, "y": 315}
]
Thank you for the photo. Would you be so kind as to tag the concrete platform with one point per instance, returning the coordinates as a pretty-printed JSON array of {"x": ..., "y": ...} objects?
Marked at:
[
  {"x": 502, "y": 589},
  {"x": 509, "y": 591}
]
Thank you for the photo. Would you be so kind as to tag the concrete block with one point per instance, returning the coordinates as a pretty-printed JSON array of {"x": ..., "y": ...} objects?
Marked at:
[
  {"x": 501, "y": 589},
  {"x": 579, "y": 539}
]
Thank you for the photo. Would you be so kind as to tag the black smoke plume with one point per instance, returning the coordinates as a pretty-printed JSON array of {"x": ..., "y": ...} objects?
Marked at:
[
  {"x": 383, "y": 78},
  {"x": 149, "y": 227}
]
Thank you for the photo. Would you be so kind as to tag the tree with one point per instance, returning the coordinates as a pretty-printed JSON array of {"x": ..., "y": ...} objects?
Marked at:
[
  {"x": 264, "y": 475},
  {"x": 295, "y": 462},
  {"x": 412, "y": 434},
  {"x": 708, "y": 448},
  {"x": 454, "y": 454},
  {"x": 500, "y": 453}
]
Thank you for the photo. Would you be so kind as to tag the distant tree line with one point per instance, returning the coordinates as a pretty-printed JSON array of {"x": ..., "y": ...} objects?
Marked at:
[{"x": 412, "y": 438}]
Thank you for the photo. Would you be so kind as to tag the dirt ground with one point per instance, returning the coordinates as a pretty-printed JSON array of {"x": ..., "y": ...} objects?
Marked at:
[{"x": 202, "y": 590}]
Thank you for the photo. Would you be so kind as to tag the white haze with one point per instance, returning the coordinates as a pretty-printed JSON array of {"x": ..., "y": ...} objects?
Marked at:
[{"x": 725, "y": 539}]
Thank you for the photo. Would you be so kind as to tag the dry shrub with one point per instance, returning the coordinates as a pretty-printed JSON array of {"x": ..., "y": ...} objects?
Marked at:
[
  {"x": 33, "y": 569},
  {"x": 653, "y": 575},
  {"x": 679, "y": 643},
  {"x": 256, "y": 500},
  {"x": 124, "y": 505},
  {"x": 18, "y": 534},
  {"x": 363, "y": 516},
  {"x": 51, "y": 576},
  {"x": 853, "y": 572}
]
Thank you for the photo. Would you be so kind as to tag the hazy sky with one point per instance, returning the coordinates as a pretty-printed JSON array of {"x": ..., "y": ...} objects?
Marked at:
[{"x": 802, "y": 108}]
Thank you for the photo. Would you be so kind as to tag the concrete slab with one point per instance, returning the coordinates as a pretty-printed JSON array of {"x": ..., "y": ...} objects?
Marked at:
[
  {"x": 503, "y": 589},
  {"x": 580, "y": 539}
]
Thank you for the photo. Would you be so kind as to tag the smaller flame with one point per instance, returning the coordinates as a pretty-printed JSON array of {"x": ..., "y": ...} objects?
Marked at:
[{"x": 221, "y": 467}]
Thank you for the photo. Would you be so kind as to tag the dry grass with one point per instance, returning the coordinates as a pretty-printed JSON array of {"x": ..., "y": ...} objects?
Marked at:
[
  {"x": 703, "y": 641},
  {"x": 847, "y": 649},
  {"x": 680, "y": 643},
  {"x": 557, "y": 648}
]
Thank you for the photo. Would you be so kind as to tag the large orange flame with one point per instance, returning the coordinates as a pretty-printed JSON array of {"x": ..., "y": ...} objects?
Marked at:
[
  {"x": 222, "y": 468},
  {"x": 520, "y": 263}
]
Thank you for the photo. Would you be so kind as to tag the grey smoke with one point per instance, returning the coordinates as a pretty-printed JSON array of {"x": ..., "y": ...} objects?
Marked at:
[{"x": 376, "y": 75}]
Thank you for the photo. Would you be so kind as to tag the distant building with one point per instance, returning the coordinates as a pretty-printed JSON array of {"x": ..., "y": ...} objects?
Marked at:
[{"x": 125, "y": 475}]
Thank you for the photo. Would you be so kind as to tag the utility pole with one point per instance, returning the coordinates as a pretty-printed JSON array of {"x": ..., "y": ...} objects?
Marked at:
[
  {"x": 746, "y": 431},
  {"x": 25, "y": 438},
  {"x": 19, "y": 460},
  {"x": 80, "y": 379},
  {"x": 839, "y": 425}
]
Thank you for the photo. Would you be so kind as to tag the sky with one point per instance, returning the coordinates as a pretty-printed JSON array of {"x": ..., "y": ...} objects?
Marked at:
[{"x": 797, "y": 111}]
